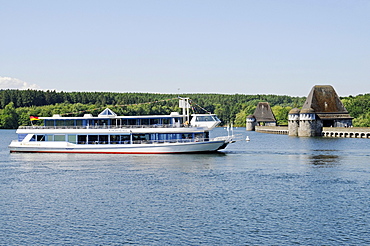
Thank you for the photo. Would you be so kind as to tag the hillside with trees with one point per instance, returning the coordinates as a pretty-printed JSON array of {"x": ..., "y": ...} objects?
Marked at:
[
  {"x": 16, "y": 106},
  {"x": 359, "y": 108}
]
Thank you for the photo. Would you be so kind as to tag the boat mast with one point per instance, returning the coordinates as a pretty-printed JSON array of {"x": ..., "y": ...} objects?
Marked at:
[{"x": 184, "y": 104}]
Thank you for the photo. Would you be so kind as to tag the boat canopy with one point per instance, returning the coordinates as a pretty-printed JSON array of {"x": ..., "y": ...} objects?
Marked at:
[{"x": 107, "y": 113}]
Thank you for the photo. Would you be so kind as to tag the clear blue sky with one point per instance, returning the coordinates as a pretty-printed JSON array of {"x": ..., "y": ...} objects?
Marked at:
[{"x": 280, "y": 47}]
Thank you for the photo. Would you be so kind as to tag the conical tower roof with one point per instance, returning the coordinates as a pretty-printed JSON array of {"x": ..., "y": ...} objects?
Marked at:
[
  {"x": 264, "y": 113},
  {"x": 324, "y": 99},
  {"x": 325, "y": 103}
]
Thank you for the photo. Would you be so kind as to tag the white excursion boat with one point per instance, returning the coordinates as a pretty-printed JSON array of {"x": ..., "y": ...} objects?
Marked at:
[{"x": 108, "y": 133}]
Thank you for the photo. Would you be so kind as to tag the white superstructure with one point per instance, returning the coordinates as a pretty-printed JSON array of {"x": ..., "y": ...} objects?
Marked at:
[{"x": 110, "y": 133}]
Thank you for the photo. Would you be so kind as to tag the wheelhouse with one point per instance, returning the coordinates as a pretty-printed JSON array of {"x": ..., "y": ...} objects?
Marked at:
[{"x": 205, "y": 120}]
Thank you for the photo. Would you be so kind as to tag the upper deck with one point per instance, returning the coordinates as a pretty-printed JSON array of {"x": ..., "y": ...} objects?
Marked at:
[{"x": 109, "y": 120}]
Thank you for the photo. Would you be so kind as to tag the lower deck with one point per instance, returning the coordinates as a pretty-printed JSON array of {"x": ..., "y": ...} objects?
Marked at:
[
  {"x": 141, "y": 147},
  {"x": 131, "y": 138}
]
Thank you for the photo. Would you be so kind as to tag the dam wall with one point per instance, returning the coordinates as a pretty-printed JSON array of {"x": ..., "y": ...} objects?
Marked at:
[
  {"x": 272, "y": 129},
  {"x": 344, "y": 132},
  {"x": 333, "y": 132}
]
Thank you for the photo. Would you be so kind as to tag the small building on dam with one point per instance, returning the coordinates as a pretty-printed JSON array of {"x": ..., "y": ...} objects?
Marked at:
[
  {"x": 322, "y": 108},
  {"x": 262, "y": 116}
]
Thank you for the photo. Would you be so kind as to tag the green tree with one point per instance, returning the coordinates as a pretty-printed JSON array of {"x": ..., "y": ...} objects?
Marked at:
[
  {"x": 240, "y": 118},
  {"x": 9, "y": 117},
  {"x": 281, "y": 114}
]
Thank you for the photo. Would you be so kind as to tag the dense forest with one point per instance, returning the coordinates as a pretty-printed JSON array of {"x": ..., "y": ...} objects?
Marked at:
[{"x": 16, "y": 106}]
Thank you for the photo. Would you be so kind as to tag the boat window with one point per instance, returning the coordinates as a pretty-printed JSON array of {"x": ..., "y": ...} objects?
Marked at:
[
  {"x": 155, "y": 121},
  {"x": 40, "y": 137},
  {"x": 98, "y": 139},
  {"x": 119, "y": 139},
  {"x": 115, "y": 122},
  {"x": 93, "y": 139},
  {"x": 103, "y": 139},
  {"x": 33, "y": 138},
  {"x": 69, "y": 123},
  {"x": 205, "y": 118},
  {"x": 49, "y": 122},
  {"x": 78, "y": 122},
  {"x": 165, "y": 121},
  {"x": 60, "y": 137},
  {"x": 90, "y": 122},
  {"x": 102, "y": 122},
  {"x": 145, "y": 122},
  {"x": 21, "y": 137},
  {"x": 131, "y": 122},
  {"x": 49, "y": 137},
  {"x": 72, "y": 138},
  {"x": 173, "y": 136},
  {"x": 125, "y": 139},
  {"x": 114, "y": 139},
  {"x": 198, "y": 136},
  {"x": 140, "y": 138},
  {"x": 124, "y": 122},
  {"x": 187, "y": 136},
  {"x": 82, "y": 139},
  {"x": 59, "y": 122}
]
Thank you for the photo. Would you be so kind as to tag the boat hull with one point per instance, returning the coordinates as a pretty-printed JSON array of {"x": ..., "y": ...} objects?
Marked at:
[{"x": 158, "y": 148}]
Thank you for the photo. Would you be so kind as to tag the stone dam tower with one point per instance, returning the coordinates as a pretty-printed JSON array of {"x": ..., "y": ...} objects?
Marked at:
[
  {"x": 262, "y": 116},
  {"x": 322, "y": 108}
]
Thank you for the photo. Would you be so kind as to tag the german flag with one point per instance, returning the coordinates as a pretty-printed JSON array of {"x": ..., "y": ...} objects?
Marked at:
[{"x": 32, "y": 118}]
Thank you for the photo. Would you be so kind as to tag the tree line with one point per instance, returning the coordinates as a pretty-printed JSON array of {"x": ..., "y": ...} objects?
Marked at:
[{"x": 17, "y": 105}]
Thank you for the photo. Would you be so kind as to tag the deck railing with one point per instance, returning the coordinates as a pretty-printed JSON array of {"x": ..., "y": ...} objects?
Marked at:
[{"x": 105, "y": 127}]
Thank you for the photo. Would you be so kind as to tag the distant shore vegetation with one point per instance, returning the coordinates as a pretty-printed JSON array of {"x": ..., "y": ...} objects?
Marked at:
[{"x": 16, "y": 106}]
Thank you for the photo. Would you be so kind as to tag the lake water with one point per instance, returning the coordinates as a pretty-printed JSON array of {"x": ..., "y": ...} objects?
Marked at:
[{"x": 272, "y": 190}]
